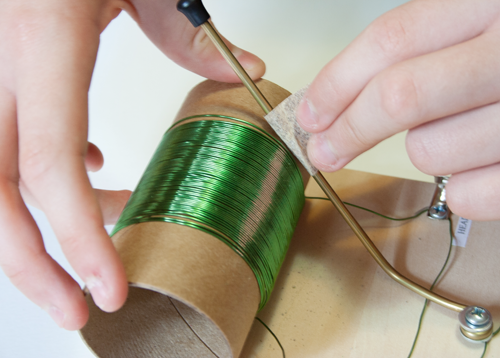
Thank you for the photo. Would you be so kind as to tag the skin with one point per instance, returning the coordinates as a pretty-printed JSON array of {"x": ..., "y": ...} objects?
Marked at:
[
  {"x": 47, "y": 55},
  {"x": 431, "y": 67}
]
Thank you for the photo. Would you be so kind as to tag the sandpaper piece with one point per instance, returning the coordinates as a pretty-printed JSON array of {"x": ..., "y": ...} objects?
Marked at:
[{"x": 283, "y": 119}]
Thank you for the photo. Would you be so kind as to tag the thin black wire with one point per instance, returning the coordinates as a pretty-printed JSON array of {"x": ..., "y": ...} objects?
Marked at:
[
  {"x": 432, "y": 287},
  {"x": 374, "y": 212},
  {"x": 191, "y": 328},
  {"x": 486, "y": 343},
  {"x": 276, "y": 338}
]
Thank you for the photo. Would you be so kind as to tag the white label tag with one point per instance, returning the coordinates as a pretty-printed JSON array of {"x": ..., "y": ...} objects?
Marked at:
[{"x": 462, "y": 232}]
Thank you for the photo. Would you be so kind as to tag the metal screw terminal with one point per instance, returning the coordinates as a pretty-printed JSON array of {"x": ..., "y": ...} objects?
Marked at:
[
  {"x": 476, "y": 324},
  {"x": 477, "y": 316},
  {"x": 439, "y": 209},
  {"x": 438, "y": 212}
]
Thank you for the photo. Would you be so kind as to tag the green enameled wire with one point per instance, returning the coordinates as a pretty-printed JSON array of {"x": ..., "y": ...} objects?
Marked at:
[{"x": 229, "y": 179}]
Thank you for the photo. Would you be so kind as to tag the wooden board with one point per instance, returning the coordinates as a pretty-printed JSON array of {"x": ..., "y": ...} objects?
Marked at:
[{"x": 332, "y": 300}]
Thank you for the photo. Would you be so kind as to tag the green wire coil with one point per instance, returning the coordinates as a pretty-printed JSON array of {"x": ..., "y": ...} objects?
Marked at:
[{"x": 230, "y": 179}]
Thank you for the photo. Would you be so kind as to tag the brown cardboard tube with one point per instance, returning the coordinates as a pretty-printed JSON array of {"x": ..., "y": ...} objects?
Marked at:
[{"x": 190, "y": 295}]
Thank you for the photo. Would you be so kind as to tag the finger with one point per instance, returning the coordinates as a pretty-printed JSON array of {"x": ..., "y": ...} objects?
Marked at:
[
  {"x": 52, "y": 120},
  {"x": 188, "y": 46},
  {"x": 413, "y": 29},
  {"x": 410, "y": 93},
  {"x": 22, "y": 255},
  {"x": 112, "y": 204},
  {"x": 475, "y": 194},
  {"x": 94, "y": 159},
  {"x": 457, "y": 143}
]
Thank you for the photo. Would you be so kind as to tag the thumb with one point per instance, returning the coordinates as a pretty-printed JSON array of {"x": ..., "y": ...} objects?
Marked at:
[{"x": 188, "y": 46}]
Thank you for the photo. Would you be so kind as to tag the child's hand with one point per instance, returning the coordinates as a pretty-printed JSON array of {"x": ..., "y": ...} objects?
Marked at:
[
  {"x": 430, "y": 66},
  {"x": 47, "y": 54}
]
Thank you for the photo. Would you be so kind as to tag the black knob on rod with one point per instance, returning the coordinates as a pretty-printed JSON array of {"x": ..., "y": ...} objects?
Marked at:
[{"x": 194, "y": 11}]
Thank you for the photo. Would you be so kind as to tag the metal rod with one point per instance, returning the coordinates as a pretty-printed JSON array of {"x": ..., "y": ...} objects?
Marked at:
[
  {"x": 376, "y": 254},
  {"x": 325, "y": 186},
  {"x": 236, "y": 66}
]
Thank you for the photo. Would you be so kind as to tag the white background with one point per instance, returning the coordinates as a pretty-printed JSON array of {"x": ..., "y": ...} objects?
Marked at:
[{"x": 136, "y": 92}]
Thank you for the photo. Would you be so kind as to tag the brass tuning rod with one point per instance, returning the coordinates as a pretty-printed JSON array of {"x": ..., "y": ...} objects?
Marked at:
[
  {"x": 236, "y": 66},
  {"x": 377, "y": 255}
]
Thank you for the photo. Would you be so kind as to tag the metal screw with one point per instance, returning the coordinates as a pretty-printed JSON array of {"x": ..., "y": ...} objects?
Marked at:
[
  {"x": 477, "y": 316},
  {"x": 439, "y": 212},
  {"x": 438, "y": 208},
  {"x": 476, "y": 324}
]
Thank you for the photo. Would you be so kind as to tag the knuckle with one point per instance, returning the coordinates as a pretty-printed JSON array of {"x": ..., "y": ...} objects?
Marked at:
[
  {"x": 31, "y": 25},
  {"x": 432, "y": 151},
  {"x": 22, "y": 266},
  {"x": 399, "y": 98},
  {"x": 390, "y": 33},
  {"x": 71, "y": 244},
  {"x": 355, "y": 134},
  {"x": 35, "y": 162},
  {"x": 192, "y": 43},
  {"x": 25, "y": 29},
  {"x": 39, "y": 158},
  {"x": 332, "y": 85},
  {"x": 13, "y": 272},
  {"x": 8, "y": 181},
  {"x": 16, "y": 271},
  {"x": 421, "y": 153}
]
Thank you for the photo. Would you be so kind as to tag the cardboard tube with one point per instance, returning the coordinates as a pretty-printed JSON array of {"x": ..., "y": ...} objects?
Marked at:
[{"x": 190, "y": 294}]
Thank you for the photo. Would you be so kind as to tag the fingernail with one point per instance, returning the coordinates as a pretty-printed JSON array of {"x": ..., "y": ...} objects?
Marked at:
[
  {"x": 307, "y": 114},
  {"x": 322, "y": 152},
  {"x": 99, "y": 292},
  {"x": 237, "y": 52},
  {"x": 57, "y": 315}
]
